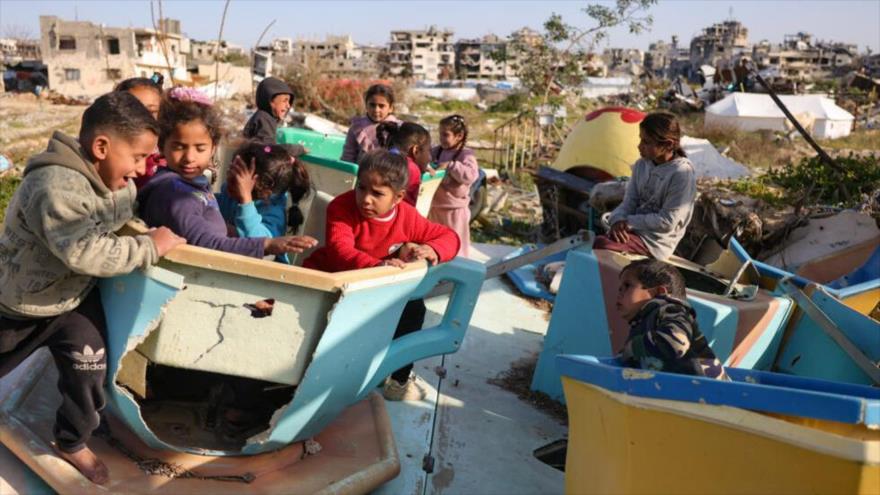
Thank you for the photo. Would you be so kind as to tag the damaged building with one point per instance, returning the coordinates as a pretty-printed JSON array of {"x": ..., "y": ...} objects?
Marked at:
[
  {"x": 628, "y": 61},
  {"x": 800, "y": 58},
  {"x": 719, "y": 44},
  {"x": 337, "y": 56},
  {"x": 475, "y": 58},
  {"x": 422, "y": 54},
  {"x": 86, "y": 59},
  {"x": 21, "y": 66},
  {"x": 667, "y": 60}
]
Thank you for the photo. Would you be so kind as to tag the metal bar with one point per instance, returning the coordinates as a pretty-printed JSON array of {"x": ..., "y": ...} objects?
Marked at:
[
  {"x": 516, "y": 136},
  {"x": 495, "y": 148},
  {"x": 507, "y": 146},
  {"x": 830, "y": 328},
  {"x": 797, "y": 125},
  {"x": 501, "y": 267}
]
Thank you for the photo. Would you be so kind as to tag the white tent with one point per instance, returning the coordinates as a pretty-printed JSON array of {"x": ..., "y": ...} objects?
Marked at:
[
  {"x": 752, "y": 111},
  {"x": 708, "y": 162}
]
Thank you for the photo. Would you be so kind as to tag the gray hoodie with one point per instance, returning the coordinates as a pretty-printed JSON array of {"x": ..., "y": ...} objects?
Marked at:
[
  {"x": 658, "y": 203},
  {"x": 59, "y": 234}
]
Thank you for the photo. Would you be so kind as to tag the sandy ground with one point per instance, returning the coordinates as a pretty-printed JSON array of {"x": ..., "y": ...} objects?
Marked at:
[{"x": 26, "y": 124}]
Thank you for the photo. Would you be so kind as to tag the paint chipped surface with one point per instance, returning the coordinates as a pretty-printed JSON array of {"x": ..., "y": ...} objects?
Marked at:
[{"x": 636, "y": 374}]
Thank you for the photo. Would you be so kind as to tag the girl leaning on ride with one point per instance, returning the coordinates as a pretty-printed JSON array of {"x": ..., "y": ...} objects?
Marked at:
[
  {"x": 373, "y": 226},
  {"x": 450, "y": 205},
  {"x": 262, "y": 180},
  {"x": 179, "y": 197},
  {"x": 659, "y": 199},
  {"x": 361, "y": 138},
  {"x": 413, "y": 142}
]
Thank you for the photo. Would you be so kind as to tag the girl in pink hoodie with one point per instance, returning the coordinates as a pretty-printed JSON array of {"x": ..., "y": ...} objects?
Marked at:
[
  {"x": 451, "y": 201},
  {"x": 361, "y": 138}
]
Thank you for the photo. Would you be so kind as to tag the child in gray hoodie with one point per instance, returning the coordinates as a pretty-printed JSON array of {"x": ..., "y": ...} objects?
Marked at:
[
  {"x": 659, "y": 199},
  {"x": 58, "y": 237}
]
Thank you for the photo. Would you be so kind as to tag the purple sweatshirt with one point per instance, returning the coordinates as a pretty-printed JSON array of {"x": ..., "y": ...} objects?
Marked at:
[
  {"x": 190, "y": 210},
  {"x": 362, "y": 138}
]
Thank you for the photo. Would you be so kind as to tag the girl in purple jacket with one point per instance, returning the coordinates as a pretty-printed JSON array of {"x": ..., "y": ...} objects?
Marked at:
[{"x": 179, "y": 197}]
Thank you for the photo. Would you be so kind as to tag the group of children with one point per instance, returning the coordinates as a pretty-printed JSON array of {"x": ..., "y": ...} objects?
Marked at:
[{"x": 149, "y": 153}]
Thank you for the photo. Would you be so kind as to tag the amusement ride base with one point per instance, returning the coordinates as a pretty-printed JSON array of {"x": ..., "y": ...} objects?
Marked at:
[{"x": 357, "y": 451}]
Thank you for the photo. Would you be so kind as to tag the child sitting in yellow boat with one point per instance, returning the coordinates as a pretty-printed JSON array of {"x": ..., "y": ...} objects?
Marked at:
[{"x": 663, "y": 334}]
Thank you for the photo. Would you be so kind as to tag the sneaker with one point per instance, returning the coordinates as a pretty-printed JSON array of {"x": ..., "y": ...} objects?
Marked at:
[{"x": 409, "y": 391}]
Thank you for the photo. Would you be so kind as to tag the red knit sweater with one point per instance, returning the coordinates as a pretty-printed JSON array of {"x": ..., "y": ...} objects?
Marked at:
[{"x": 356, "y": 242}]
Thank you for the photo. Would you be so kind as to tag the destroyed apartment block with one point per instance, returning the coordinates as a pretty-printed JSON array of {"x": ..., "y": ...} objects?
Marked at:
[
  {"x": 86, "y": 59},
  {"x": 422, "y": 54},
  {"x": 336, "y": 56},
  {"x": 475, "y": 58}
]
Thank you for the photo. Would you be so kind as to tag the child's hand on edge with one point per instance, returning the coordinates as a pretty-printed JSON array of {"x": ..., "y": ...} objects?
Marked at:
[
  {"x": 165, "y": 240},
  {"x": 620, "y": 231},
  {"x": 288, "y": 244},
  {"x": 405, "y": 252},
  {"x": 241, "y": 180},
  {"x": 431, "y": 170},
  {"x": 395, "y": 262},
  {"x": 417, "y": 252}
]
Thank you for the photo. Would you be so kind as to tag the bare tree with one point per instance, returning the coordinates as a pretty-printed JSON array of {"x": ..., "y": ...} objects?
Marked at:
[
  {"x": 556, "y": 55},
  {"x": 217, "y": 51}
]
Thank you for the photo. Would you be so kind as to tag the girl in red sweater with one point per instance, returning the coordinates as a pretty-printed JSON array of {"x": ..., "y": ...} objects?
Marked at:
[{"x": 373, "y": 226}]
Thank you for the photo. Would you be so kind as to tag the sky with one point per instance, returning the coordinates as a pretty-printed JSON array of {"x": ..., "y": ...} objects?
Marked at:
[{"x": 370, "y": 21}]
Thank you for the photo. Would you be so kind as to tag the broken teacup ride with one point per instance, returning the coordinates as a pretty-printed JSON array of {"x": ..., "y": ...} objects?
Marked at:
[{"x": 233, "y": 374}]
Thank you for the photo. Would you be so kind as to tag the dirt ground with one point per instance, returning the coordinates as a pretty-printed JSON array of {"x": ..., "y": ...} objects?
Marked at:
[
  {"x": 26, "y": 123},
  {"x": 518, "y": 379}
]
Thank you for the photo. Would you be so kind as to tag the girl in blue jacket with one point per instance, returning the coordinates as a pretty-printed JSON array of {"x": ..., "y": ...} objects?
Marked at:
[{"x": 262, "y": 181}]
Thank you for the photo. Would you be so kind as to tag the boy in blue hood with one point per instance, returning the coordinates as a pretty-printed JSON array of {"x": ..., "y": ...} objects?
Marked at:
[{"x": 274, "y": 100}]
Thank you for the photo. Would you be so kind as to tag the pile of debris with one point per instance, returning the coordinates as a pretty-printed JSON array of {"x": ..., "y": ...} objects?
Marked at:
[
  {"x": 721, "y": 213},
  {"x": 59, "y": 99},
  {"x": 512, "y": 214}
]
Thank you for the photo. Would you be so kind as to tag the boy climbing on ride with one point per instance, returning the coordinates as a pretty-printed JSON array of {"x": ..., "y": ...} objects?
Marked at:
[
  {"x": 663, "y": 333},
  {"x": 57, "y": 238}
]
